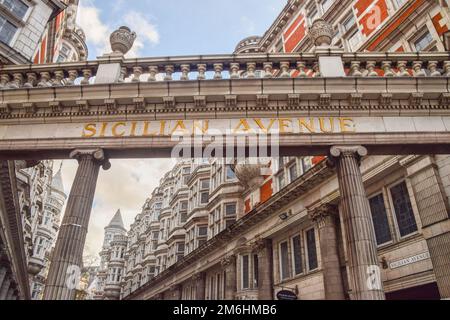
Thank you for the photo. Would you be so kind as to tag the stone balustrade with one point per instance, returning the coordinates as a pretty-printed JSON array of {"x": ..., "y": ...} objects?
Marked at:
[{"x": 216, "y": 67}]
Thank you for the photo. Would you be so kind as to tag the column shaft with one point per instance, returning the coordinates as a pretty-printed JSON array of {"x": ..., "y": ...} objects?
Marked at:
[
  {"x": 265, "y": 272},
  {"x": 332, "y": 276},
  {"x": 67, "y": 258},
  {"x": 363, "y": 269},
  {"x": 2, "y": 275},
  {"x": 229, "y": 265},
  {"x": 200, "y": 286},
  {"x": 4, "y": 288}
]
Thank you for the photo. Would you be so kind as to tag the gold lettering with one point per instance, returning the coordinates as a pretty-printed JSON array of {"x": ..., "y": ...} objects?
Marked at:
[
  {"x": 91, "y": 128},
  {"x": 262, "y": 127},
  {"x": 133, "y": 129},
  {"x": 181, "y": 127},
  {"x": 347, "y": 125},
  {"x": 114, "y": 129},
  {"x": 285, "y": 124},
  {"x": 146, "y": 133},
  {"x": 245, "y": 126},
  {"x": 103, "y": 129},
  {"x": 162, "y": 127},
  {"x": 309, "y": 126},
  {"x": 322, "y": 125},
  {"x": 203, "y": 126}
]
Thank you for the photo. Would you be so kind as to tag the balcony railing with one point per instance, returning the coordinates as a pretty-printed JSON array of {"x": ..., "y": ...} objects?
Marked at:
[{"x": 217, "y": 67}]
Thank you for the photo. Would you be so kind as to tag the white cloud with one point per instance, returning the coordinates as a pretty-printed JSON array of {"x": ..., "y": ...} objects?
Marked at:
[
  {"x": 97, "y": 31},
  {"x": 125, "y": 186}
]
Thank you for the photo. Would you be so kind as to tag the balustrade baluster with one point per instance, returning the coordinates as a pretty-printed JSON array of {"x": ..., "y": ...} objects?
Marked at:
[
  {"x": 31, "y": 80},
  {"x": 73, "y": 75},
  {"x": 201, "y": 69},
  {"x": 153, "y": 71},
  {"x": 268, "y": 69},
  {"x": 185, "y": 69},
  {"x": 355, "y": 69},
  {"x": 17, "y": 81},
  {"x": 44, "y": 79},
  {"x": 402, "y": 69},
  {"x": 447, "y": 68},
  {"x": 4, "y": 79},
  {"x": 432, "y": 67},
  {"x": 169, "y": 71},
  {"x": 218, "y": 68},
  {"x": 371, "y": 66},
  {"x": 387, "y": 67},
  {"x": 418, "y": 71},
  {"x": 58, "y": 79},
  {"x": 284, "y": 67},
  {"x": 87, "y": 73},
  {"x": 234, "y": 70},
  {"x": 137, "y": 72},
  {"x": 251, "y": 67},
  {"x": 301, "y": 67}
]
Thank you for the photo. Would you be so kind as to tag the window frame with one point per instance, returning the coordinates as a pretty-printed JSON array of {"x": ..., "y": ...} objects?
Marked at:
[{"x": 388, "y": 211}]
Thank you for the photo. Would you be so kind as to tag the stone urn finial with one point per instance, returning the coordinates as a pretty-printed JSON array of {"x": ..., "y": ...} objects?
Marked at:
[
  {"x": 251, "y": 175},
  {"x": 122, "y": 40},
  {"x": 321, "y": 33}
]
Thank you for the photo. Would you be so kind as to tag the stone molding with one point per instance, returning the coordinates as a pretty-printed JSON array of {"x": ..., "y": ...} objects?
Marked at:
[{"x": 97, "y": 154}]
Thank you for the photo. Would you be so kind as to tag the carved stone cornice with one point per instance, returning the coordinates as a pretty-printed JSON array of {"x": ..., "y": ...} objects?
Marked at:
[
  {"x": 228, "y": 261},
  {"x": 323, "y": 214}
]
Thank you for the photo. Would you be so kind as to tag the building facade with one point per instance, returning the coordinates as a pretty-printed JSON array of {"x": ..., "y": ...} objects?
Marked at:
[
  {"x": 280, "y": 225},
  {"x": 112, "y": 258}
]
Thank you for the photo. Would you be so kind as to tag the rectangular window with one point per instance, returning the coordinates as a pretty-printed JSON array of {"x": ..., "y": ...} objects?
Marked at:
[
  {"x": 281, "y": 181},
  {"x": 204, "y": 184},
  {"x": 245, "y": 271},
  {"x": 230, "y": 173},
  {"x": 255, "y": 270},
  {"x": 202, "y": 231},
  {"x": 293, "y": 172},
  {"x": 228, "y": 223},
  {"x": 204, "y": 197},
  {"x": 403, "y": 211},
  {"x": 380, "y": 220},
  {"x": 326, "y": 4},
  {"x": 230, "y": 209},
  {"x": 7, "y": 30},
  {"x": 297, "y": 255},
  {"x": 284, "y": 260},
  {"x": 17, "y": 7},
  {"x": 423, "y": 41},
  {"x": 311, "y": 247},
  {"x": 349, "y": 22}
]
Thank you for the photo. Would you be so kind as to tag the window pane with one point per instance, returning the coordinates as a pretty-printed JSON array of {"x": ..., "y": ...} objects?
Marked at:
[
  {"x": 230, "y": 209},
  {"x": 423, "y": 41},
  {"x": 245, "y": 270},
  {"x": 380, "y": 220},
  {"x": 296, "y": 248},
  {"x": 403, "y": 210},
  {"x": 17, "y": 7},
  {"x": 293, "y": 172},
  {"x": 255, "y": 270},
  {"x": 284, "y": 260},
  {"x": 230, "y": 173},
  {"x": 312, "y": 252},
  {"x": 204, "y": 197},
  {"x": 7, "y": 30}
]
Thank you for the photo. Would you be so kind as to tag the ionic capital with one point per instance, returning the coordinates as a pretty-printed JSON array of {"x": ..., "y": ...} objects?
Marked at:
[
  {"x": 97, "y": 155},
  {"x": 338, "y": 152}
]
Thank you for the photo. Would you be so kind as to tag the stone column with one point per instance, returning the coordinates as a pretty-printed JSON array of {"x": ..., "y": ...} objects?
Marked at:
[
  {"x": 2, "y": 275},
  {"x": 200, "y": 285},
  {"x": 10, "y": 293},
  {"x": 229, "y": 265},
  {"x": 4, "y": 288},
  {"x": 325, "y": 218},
  {"x": 263, "y": 249},
  {"x": 363, "y": 270},
  {"x": 67, "y": 256}
]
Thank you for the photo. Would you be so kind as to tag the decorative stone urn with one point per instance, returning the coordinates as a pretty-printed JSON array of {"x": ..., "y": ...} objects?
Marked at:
[
  {"x": 251, "y": 175},
  {"x": 321, "y": 33},
  {"x": 122, "y": 40}
]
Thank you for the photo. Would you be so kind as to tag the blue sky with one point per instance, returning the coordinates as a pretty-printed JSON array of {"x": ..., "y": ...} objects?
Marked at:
[
  {"x": 177, "y": 27},
  {"x": 164, "y": 28}
]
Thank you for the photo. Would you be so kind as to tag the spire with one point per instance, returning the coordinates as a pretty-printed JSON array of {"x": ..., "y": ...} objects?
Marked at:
[
  {"x": 57, "y": 183},
  {"x": 116, "y": 221}
]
